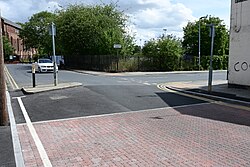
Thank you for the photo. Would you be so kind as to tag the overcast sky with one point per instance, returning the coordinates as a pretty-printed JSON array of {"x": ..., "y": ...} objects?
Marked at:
[{"x": 149, "y": 17}]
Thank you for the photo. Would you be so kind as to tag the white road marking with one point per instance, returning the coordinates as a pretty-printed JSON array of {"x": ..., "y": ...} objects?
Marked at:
[
  {"x": 39, "y": 145},
  {"x": 15, "y": 139},
  {"x": 146, "y": 83}
]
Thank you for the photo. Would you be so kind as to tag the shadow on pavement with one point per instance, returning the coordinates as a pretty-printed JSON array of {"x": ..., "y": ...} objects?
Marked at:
[
  {"x": 173, "y": 99},
  {"x": 211, "y": 111}
]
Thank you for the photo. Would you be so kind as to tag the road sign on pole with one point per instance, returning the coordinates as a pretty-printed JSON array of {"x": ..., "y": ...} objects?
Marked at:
[
  {"x": 53, "y": 32},
  {"x": 117, "y": 46},
  {"x": 210, "y": 76}
]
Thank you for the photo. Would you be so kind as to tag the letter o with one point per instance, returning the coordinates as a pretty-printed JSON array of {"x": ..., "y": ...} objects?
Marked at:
[{"x": 244, "y": 66}]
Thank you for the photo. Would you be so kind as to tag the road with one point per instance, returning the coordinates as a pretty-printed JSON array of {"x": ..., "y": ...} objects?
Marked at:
[
  {"x": 100, "y": 94},
  {"x": 126, "y": 120}
]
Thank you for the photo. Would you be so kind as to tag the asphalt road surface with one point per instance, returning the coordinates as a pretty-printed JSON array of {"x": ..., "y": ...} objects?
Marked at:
[
  {"x": 100, "y": 94},
  {"x": 109, "y": 110}
]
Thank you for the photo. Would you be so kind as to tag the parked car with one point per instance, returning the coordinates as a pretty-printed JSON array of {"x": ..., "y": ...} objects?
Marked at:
[
  {"x": 59, "y": 61},
  {"x": 45, "y": 65}
]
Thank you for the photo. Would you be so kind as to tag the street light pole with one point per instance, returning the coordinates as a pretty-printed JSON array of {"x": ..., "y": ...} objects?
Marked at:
[
  {"x": 165, "y": 32},
  {"x": 200, "y": 41}
]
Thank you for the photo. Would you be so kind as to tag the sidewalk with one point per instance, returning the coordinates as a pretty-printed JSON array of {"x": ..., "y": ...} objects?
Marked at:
[
  {"x": 50, "y": 87},
  {"x": 220, "y": 89}
]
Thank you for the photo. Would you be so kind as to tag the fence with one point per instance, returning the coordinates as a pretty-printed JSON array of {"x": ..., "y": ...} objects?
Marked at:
[{"x": 112, "y": 63}]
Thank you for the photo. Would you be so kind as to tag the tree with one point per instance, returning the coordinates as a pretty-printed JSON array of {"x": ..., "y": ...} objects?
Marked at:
[
  {"x": 90, "y": 30},
  {"x": 35, "y": 32},
  {"x": 7, "y": 48},
  {"x": 191, "y": 32},
  {"x": 166, "y": 52}
]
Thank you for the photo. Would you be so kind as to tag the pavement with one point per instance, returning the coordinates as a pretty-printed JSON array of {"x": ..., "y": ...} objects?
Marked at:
[
  {"x": 220, "y": 91},
  {"x": 49, "y": 87},
  {"x": 173, "y": 136}
]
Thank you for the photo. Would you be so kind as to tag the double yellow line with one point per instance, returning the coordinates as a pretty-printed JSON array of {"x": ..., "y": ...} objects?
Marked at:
[
  {"x": 163, "y": 87},
  {"x": 10, "y": 79}
]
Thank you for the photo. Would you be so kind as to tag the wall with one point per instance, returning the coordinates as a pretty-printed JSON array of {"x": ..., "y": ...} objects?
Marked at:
[
  {"x": 11, "y": 31},
  {"x": 239, "y": 55}
]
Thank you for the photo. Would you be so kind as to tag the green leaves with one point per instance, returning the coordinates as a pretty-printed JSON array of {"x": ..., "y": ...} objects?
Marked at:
[
  {"x": 35, "y": 32},
  {"x": 7, "y": 48},
  {"x": 191, "y": 37},
  {"x": 166, "y": 52},
  {"x": 91, "y": 30}
]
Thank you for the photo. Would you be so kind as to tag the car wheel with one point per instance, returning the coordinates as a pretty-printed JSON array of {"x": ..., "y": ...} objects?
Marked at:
[{"x": 39, "y": 69}]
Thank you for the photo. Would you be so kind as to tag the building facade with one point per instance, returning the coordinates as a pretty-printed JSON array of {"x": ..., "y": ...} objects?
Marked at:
[
  {"x": 239, "y": 56},
  {"x": 11, "y": 31}
]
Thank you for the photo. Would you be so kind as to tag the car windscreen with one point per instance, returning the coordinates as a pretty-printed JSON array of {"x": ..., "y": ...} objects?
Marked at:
[{"x": 44, "y": 61}]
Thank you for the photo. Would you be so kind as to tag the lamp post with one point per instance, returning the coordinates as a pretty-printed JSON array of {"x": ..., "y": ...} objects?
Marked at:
[
  {"x": 165, "y": 32},
  {"x": 200, "y": 40}
]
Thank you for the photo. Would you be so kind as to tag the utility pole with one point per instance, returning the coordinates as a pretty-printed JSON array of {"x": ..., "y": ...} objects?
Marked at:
[{"x": 3, "y": 110}]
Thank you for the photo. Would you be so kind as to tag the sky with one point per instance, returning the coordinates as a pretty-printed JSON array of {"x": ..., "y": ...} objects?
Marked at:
[{"x": 148, "y": 18}]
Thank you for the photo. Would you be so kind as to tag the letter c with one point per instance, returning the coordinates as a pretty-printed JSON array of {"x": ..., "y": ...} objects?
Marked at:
[{"x": 235, "y": 68}]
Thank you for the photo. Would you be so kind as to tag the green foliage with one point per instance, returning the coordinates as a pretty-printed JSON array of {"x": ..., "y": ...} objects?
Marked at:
[
  {"x": 89, "y": 30},
  {"x": 165, "y": 53},
  {"x": 219, "y": 62},
  {"x": 35, "y": 32},
  {"x": 128, "y": 64},
  {"x": 7, "y": 48},
  {"x": 191, "y": 37}
]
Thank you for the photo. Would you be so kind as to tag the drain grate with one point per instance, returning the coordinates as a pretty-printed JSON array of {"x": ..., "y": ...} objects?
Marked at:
[{"x": 156, "y": 117}]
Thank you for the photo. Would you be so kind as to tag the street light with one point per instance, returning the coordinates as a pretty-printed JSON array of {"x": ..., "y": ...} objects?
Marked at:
[
  {"x": 200, "y": 40},
  {"x": 165, "y": 32}
]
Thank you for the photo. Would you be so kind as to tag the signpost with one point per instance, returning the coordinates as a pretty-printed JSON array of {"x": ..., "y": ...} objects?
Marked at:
[
  {"x": 53, "y": 33},
  {"x": 212, "y": 34},
  {"x": 117, "y": 46}
]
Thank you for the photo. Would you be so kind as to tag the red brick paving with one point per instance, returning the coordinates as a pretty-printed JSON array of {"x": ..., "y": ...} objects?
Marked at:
[{"x": 150, "y": 138}]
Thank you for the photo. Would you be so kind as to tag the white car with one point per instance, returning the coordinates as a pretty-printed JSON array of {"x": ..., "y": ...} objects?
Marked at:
[{"x": 45, "y": 65}]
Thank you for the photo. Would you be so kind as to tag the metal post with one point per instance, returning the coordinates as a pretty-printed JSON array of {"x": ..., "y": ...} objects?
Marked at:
[
  {"x": 200, "y": 40},
  {"x": 199, "y": 44},
  {"x": 33, "y": 75},
  {"x": 211, "y": 58},
  {"x": 54, "y": 53},
  {"x": 3, "y": 110},
  {"x": 117, "y": 61}
]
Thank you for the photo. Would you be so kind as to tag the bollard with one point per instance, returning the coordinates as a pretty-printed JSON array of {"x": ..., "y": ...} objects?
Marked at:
[{"x": 34, "y": 75}]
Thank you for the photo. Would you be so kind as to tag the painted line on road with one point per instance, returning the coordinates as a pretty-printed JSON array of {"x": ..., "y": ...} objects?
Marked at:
[
  {"x": 15, "y": 139},
  {"x": 121, "y": 113},
  {"x": 11, "y": 79},
  {"x": 163, "y": 88},
  {"x": 38, "y": 143},
  {"x": 207, "y": 96}
]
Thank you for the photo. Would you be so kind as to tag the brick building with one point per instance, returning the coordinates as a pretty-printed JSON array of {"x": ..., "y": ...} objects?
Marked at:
[{"x": 11, "y": 31}]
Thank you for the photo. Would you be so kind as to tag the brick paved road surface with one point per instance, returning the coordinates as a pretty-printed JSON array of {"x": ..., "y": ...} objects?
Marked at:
[{"x": 162, "y": 137}]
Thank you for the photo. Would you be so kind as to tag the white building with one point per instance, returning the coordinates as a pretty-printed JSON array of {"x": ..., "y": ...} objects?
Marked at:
[{"x": 239, "y": 55}]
